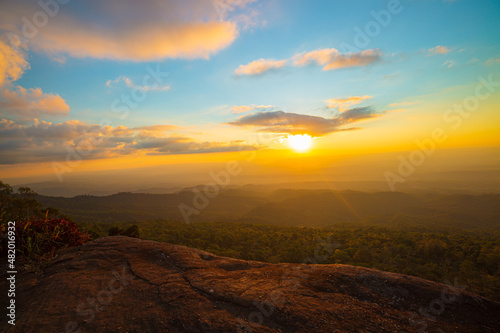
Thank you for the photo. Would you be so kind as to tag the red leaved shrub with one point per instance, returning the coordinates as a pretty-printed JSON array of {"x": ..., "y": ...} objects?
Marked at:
[{"x": 39, "y": 238}]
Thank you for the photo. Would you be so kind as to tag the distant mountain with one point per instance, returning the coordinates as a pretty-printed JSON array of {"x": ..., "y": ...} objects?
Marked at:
[
  {"x": 321, "y": 208},
  {"x": 287, "y": 207}
]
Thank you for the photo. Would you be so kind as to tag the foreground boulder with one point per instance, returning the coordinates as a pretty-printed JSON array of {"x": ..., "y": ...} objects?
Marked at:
[{"x": 120, "y": 284}]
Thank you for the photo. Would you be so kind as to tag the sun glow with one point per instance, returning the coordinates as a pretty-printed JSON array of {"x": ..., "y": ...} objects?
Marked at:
[{"x": 300, "y": 142}]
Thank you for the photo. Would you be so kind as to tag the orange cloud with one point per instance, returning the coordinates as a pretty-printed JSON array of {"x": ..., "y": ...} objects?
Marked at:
[
  {"x": 12, "y": 63},
  {"x": 247, "y": 108},
  {"x": 139, "y": 43},
  {"x": 402, "y": 104},
  {"x": 46, "y": 141},
  {"x": 332, "y": 59},
  {"x": 259, "y": 66},
  {"x": 343, "y": 104},
  {"x": 18, "y": 101},
  {"x": 241, "y": 108},
  {"x": 131, "y": 31},
  {"x": 439, "y": 50},
  {"x": 32, "y": 102}
]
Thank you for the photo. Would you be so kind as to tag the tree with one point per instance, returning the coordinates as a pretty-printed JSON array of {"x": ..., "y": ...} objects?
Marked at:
[
  {"x": 363, "y": 255},
  {"x": 5, "y": 199},
  {"x": 132, "y": 231},
  {"x": 19, "y": 206},
  {"x": 341, "y": 257},
  {"x": 115, "y": 231}
]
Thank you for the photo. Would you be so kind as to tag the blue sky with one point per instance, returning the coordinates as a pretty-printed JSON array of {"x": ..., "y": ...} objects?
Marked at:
[
  {"x": 427, "y": 47},
  {"x": 200, "y": 85}
]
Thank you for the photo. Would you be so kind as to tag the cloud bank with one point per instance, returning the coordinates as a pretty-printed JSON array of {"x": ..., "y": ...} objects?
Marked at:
[
  {"x": 328, "y": 59},
  {"x": 44, "y": 141},
  {"x": 128, "y": 30},
  {"x": 294, "y": 123}
]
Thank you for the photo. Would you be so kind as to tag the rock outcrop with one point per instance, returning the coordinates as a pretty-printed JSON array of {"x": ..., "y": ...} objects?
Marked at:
[{"x": 120, "y": 284}]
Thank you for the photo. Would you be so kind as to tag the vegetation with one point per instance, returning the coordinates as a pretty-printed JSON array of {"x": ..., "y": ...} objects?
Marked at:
[
  {"x": 132, "y": 231},
  {"x": 23, "y": 205},
  {"x": 37, "y": 239},
  {"x": 436, "y": 237},
  {"x": 318, "y": 208},
  {"x": 39, "y": 232},
  {"x": 471, "y": 257}
]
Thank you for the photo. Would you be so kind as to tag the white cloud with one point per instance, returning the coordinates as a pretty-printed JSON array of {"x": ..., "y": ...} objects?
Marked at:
[
  {"x": 127, "y": 82},
  {"x": 449, "y": 63},
  {"x": 332, "y": 59}
]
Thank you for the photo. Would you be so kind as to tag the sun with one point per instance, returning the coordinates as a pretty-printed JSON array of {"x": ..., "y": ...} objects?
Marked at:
[{"x": 300, "y": 142}]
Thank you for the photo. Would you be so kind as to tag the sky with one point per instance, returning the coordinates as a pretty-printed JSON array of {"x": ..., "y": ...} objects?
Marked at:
[{"x": 109, "y": 85}]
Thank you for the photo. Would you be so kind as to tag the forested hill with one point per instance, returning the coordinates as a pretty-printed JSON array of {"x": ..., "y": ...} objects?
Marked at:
[{"x": 290, "y": 207}]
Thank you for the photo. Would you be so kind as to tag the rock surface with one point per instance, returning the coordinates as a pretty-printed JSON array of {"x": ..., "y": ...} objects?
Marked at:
[{"x": 120, "y": 284}]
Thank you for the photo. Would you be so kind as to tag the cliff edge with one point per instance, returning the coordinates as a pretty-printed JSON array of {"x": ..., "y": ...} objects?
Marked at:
[{"x": 121, "y": 284}]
